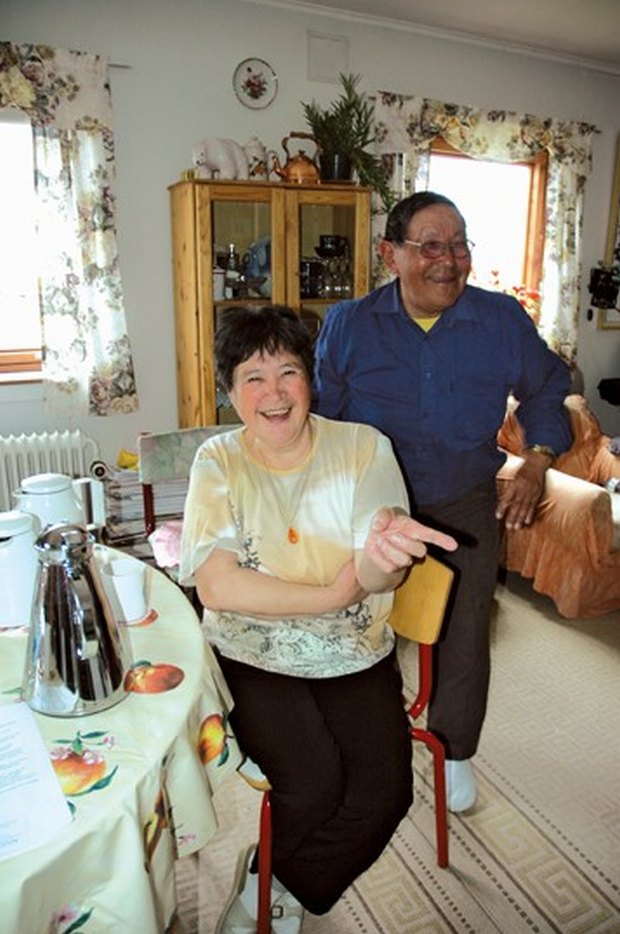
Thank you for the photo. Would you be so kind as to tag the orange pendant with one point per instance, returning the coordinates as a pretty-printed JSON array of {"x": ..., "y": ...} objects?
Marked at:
[{"x": 293, "y": 537}]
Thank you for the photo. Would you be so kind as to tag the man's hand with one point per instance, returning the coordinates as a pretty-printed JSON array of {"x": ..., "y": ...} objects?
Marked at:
[{"x": 521, "y": 495}]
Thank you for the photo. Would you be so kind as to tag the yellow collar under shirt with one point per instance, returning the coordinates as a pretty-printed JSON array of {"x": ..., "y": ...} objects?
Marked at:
[{"x": 427, "y": 323}]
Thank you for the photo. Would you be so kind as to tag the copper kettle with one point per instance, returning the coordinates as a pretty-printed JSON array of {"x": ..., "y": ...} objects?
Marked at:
[{"x": 299, "y": 169}]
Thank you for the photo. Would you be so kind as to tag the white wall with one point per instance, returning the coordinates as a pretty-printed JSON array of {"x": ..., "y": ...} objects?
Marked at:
[{"x": 181, "y": 56}]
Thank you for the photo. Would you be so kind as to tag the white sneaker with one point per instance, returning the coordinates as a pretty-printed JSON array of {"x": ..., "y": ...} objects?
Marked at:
[
  {"x": 286, "y": 913},
  {"x": 239, "y": 916},
  {"x": 461, "y": 787},
  {"x": 241, "y": 912}
]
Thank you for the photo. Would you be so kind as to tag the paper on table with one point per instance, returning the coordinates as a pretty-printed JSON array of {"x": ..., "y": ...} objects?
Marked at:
[{"x": 32, "y": 806}]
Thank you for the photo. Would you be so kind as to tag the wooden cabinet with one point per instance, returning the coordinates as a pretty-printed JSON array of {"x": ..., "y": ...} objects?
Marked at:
[{"x": 276, "y": 229}]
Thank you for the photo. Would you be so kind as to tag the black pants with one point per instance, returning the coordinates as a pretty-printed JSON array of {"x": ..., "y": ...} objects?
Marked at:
[
  {"x": 337, "y": 753},
  {"x": 462, "y": 656}
]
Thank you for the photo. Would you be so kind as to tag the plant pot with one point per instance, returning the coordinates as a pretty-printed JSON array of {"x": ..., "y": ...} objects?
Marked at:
[{"x": 335, "y": 168}]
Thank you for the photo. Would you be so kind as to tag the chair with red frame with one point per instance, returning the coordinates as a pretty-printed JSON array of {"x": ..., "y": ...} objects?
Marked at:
[{"x": 417, "y": 615}]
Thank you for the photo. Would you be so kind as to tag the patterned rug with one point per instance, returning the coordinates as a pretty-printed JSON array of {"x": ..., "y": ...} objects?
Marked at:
[{"x": 539, "y": 853}]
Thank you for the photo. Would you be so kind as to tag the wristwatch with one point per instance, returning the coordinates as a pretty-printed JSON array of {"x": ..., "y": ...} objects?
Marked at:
[{"x": 543, "y": 449}]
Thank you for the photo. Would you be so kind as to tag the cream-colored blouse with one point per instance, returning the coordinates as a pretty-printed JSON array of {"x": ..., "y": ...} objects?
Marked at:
[{"x": 233, "y": 504}]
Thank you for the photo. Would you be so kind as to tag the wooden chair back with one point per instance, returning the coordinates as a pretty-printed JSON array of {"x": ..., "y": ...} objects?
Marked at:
[{"x": 420, "y": 601}]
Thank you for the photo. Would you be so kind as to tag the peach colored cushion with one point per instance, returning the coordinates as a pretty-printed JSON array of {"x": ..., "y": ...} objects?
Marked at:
[{"x": 589, "y": 456}]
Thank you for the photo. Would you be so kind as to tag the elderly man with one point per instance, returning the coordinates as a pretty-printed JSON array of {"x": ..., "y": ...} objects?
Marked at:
[{"x": 430, "y": 361}]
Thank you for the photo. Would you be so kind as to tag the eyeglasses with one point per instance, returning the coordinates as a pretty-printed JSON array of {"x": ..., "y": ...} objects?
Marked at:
[{"x": 435, "y": 249}]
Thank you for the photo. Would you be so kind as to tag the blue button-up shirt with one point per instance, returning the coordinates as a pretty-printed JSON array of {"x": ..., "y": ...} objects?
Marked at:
[{"x": 441, "y": 395}]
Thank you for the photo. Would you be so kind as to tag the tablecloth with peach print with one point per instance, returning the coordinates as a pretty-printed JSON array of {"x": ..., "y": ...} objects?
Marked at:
[{"x": 139, "y": 778}]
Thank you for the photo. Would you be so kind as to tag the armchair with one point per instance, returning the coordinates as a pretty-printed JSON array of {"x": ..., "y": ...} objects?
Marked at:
[{"x": 572, "y": 549}]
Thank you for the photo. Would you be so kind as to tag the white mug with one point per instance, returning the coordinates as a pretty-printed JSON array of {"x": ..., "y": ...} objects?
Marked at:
[{"x": 126, "y": 584}]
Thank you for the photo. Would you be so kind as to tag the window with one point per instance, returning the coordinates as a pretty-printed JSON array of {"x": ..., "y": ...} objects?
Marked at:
[
  {"x": 503, "y": 204},
  {"x": 20, "y": 328}
]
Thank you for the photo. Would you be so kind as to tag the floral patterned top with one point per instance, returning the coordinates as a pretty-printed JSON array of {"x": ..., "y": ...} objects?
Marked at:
[{"x": 233, "y": 504}]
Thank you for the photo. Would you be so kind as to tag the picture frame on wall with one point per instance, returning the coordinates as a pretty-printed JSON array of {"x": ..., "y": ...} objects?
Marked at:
[{"x": 609, "y": 318}]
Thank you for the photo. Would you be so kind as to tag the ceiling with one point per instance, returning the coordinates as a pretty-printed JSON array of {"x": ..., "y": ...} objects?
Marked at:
[{"x": 585, "y": 32}]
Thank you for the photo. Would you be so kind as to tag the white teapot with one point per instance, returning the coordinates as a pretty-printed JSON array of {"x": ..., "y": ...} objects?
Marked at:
[
  {"x": 55, "y": 497},
  {"x": 257, "y": 156},
  {"x": 18, "y": 568}
]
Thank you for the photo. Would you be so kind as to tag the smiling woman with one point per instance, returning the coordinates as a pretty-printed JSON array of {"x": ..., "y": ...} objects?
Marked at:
[{"x": 295, "y": 534}]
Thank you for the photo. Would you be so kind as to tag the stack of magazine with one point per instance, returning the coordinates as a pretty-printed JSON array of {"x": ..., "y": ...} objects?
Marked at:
[
  {"x": 125, "y": 527},
  {"x": 124, "y": 507}
]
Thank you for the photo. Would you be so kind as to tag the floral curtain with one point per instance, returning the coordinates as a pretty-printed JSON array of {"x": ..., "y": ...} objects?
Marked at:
[
  {"x": 87, "y": 362},
  {"x": 407, "y": 125}
]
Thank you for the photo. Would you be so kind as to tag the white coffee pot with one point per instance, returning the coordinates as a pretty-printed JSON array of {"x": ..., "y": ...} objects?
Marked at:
[
  {"x": 55, "y": 497},
  {"x": 18, "y": 567}
]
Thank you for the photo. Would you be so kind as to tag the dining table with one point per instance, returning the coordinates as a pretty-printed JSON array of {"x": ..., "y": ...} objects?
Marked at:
[{"x": 139, "y": 778}]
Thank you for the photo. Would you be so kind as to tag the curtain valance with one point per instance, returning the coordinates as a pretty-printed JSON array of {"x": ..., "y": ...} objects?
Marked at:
[
  {"x": 403, "y": 121},
  {"x": 56, "y": 87}
]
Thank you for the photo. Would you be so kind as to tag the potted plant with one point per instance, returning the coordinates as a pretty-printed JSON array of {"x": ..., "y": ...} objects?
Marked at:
[{"x": 342, "y": 132}]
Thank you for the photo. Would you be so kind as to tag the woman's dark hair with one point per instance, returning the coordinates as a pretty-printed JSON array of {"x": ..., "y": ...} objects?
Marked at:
[
  {"x": 245, "y": 329},
  {"x": 397, "y": 223}
]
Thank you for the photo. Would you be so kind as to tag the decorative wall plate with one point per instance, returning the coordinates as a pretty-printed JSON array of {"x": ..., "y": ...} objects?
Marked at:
[{"x": 255, "y": 83}]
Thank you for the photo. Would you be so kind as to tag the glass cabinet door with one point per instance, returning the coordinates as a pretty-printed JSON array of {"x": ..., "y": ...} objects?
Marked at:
[
  {"x": 241, "y": 249},
  {"x": 237, "y": 257},
  {"x": 237, "y": 242},
  {"x": 327, "y": 250}
]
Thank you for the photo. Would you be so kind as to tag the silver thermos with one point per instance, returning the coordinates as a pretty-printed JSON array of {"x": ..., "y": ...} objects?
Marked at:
[{"x": 77, "y": 655}]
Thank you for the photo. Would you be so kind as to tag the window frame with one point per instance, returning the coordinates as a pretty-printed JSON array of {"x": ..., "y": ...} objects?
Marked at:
[
  {"x": 535, "y": 236},
  {"x": 20, "y": 366},
  {"x": 24, "y": 364}
]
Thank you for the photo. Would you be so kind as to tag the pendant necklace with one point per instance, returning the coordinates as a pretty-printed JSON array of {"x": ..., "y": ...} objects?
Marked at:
[{"x": 288, "y": 514}]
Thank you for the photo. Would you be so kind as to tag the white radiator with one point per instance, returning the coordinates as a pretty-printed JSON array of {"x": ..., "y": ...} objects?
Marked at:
[{"x": 68, "y": 452}]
